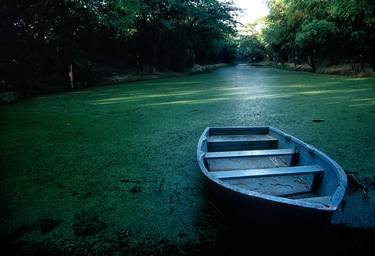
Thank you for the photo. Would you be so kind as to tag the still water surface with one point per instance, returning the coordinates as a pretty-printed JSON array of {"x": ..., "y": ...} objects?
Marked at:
[{"x": 124, "y": 155}]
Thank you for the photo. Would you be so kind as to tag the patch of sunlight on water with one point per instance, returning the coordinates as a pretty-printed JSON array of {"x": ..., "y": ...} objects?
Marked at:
[
  {"x": 187, "y": 102},
  {"x": 168, "y": 82},
  {"x": 112, "y": 102},
  {"x": 358, "y": 79},
  {"x": 233, "y": 88},
  {"x": 268, "y": 96},
  {"x": 141, "y": 97},
  {"x": 318, "y": 92},
  {"x": 296, "y": 86},
  {"x": 364, "y": 99},
  {"x": 237, "y": 93}
]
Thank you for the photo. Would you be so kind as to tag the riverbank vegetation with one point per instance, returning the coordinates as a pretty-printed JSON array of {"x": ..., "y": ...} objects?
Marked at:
[
  {"x": 45, "y": 44},
  {"x": 314, "y": 32},
  {"x": 48, "y": 46}
]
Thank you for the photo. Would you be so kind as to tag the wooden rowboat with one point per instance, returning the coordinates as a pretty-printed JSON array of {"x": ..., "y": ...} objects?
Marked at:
[{"x": 270, "y": 172}]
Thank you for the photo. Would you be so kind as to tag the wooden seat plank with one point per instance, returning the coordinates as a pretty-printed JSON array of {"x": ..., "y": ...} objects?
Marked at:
[
  {"x": 250, "y": 153},
  {"x": 240, "y": 138},
  {"x": 251, "y": 173},
  {"x": 220, "y": 143},
  {"x": 239, "y": 130}
]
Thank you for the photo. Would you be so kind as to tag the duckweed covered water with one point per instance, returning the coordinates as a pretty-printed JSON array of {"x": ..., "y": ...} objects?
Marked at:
[{"x": 114, "y": 168}]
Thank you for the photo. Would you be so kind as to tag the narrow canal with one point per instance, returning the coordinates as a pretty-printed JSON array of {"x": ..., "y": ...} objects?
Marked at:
[{"x": 114, "y": 168}]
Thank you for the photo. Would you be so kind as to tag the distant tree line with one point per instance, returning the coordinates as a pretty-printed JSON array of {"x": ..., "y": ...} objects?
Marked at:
[
  {"x": 318, "y": 32},
  {"x": 40, "y": 39},
  {"x": 250, "y": 43}
]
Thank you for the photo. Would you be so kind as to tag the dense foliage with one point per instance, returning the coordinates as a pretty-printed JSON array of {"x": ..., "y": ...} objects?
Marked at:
[
  {"x": 320, "y": 32},
  {"x": 250, "y": 44},
  {"x": 324, "y": 31},
  {"x": 40, "y": 39}
]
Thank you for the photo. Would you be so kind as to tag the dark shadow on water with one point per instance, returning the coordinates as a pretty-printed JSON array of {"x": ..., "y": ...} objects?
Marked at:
[
  {"x": 239, "y": 237},
  {"x": 223, "y": 232},
  {"x": 268, "y": 234}
]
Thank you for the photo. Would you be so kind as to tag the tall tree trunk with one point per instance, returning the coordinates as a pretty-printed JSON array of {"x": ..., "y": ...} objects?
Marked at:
[{"x": 311, "y": 63}]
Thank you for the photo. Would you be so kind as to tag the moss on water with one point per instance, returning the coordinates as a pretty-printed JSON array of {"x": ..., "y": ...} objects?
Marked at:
[{"x": 126, "y": 153}]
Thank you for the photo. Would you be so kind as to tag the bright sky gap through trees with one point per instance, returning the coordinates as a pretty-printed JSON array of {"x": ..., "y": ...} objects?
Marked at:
[{"x": 252, "y": 10}]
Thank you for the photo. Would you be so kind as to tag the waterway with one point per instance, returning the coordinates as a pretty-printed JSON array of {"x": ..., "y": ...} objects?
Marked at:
[{"x": 113, "y": 169}]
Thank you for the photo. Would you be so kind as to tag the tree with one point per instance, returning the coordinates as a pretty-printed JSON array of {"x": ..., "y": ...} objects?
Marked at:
[
  {"x": 321, "y": 31},
  {"x": 41, "y": 39},
  {"x": 313, "y": 35}
]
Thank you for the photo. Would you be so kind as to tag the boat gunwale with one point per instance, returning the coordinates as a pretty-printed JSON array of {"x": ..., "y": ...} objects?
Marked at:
[{"x": 336, "y": 197}]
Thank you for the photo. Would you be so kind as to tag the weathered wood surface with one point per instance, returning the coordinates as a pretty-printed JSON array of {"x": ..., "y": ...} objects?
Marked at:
[
  {"x": 240, "y": 138},
  {"x": 241, "y": 142},
  {"x": 238, "y": 131},
  {"x": 278, "y": 167},
  {"x": 293, "y": 170},
  {"x": 251, "y": 153}
]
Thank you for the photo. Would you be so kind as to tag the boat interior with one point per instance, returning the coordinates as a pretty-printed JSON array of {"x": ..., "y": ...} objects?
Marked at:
[{"x": 262, "y": 160}]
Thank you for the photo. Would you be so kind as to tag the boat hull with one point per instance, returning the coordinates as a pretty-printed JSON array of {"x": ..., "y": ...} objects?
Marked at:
[
  {"x": 257, "y": 211},
  {"x": 254, "y": 206}
]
